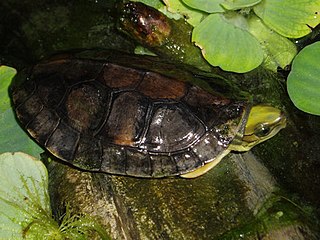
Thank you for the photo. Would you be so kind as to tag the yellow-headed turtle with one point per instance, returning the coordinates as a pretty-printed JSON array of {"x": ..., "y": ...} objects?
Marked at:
[{"x": 122, "y": 114}]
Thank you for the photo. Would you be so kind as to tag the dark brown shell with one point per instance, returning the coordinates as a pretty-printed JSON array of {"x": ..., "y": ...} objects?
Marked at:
[{"x": 111, "y": 113}]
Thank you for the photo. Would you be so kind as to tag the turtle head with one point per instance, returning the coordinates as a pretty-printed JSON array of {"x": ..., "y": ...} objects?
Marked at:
[{"x": 263, "y": 123}]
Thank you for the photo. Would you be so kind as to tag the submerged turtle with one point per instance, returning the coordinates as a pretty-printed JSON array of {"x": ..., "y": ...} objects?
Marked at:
[{"x": 129, "y": 115}]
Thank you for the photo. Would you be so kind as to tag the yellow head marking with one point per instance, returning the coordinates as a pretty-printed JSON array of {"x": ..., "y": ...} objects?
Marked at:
[{"x": 263, "y": 123}]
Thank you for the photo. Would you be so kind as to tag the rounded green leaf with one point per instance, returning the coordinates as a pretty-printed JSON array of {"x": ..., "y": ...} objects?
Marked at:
[
  {"x": 13, "y": 138},
  {"x": 25, "y": 211},
  {"x": 209, "y": 6},
  {"x": 6, "y": 75},
  {"x": 226, "y": 43},
  {"x": 290, "y": 18},
  {"x": 303, "y": 81},
  {"x": 238, "y": 4},
  {"x": 279, "y": 51},
  {"x": 152, "y": 3},
  {"x": 193, "y": 16},
  {"x": 24, "y": 200}
]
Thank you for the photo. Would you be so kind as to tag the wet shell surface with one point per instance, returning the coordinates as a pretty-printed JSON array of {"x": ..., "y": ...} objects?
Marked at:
[{"x": 122, "y": 114}]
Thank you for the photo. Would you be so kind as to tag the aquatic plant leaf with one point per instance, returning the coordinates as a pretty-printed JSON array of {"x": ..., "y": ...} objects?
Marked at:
[
  {"x": 192, "y": 16},
  {"x": 13, "y": 138},
  {"x": 219, "y": 6},
  {"x": 279, "y": 51},
  {"x": 6, "y": 75},
  {"x": 303, "y": 81},
  {"x": 290, "y": 18},
  {"x": 238, "y": 4},
  {"x": 225, "y": 42},
  {"x": 24, "y": 200},
  {"x": 209, "y": 6},
  {"x": 152, "y": 3}
]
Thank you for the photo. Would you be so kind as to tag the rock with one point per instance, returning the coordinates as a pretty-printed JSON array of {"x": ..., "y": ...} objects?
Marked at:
[{"x": 229, "y": 201}]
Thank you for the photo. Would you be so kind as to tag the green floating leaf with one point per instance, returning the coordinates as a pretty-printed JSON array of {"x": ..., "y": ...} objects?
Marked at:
[
  {"x": 218, "y": 6},
  {"x": 13, "y": 138},
  {"x": 193, "y": 16},
  {"x": 290, "y": 18},
  {"x": 24, "y": 201},
  {"x": 279, "y": 51},
  {"x": 303, "y": 81},
  {"x": 152, "y": 3},
  {"x": 25, "y": 211},
  {"x": 6, "y": 75},
  {"x": 226, "y": 43},
  {"x": 209, "y": 6},
  {"x": 238, "y": 4}
]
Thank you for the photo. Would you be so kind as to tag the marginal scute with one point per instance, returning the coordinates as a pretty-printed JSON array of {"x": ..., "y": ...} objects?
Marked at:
[
  {"x": 63, "y": 141},
  {"x": 88, "y": 154},
  {"x": 114, "y": 159},
  {"x": 138, "y": 163},
  {"x": 187, "y": 161},
  {"x": 43, "y": 125},
  {"x": 163, "y": 165},
  {"x": 27, "y": 111},
  {"x": 22, "y": 91}
]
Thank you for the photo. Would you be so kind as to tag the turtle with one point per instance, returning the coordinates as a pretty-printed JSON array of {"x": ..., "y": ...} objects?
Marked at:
[{"x": 123, "y": 114}]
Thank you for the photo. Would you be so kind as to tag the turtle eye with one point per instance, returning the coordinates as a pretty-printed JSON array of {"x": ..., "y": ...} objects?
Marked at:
[{"x": 262, "y": 130}]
